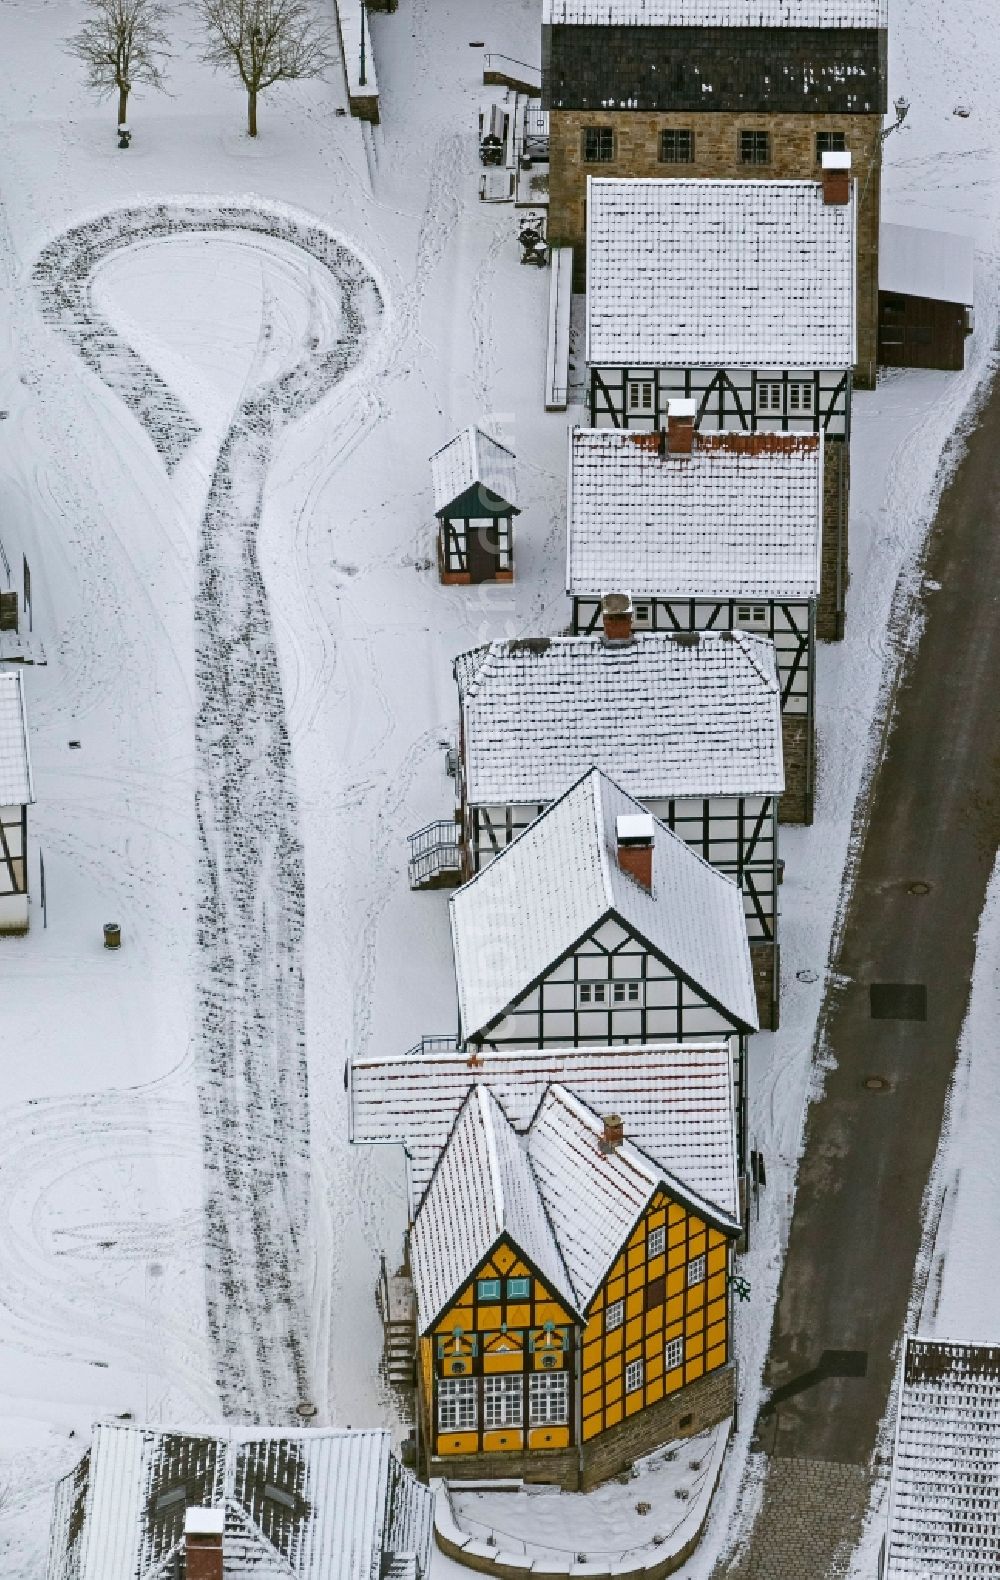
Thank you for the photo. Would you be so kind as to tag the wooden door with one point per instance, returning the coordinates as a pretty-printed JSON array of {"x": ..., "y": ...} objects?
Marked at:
[{"x": 483, "y": 542}]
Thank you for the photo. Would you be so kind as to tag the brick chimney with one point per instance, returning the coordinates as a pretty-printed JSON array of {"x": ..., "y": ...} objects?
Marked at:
[
  {"x": 616, "y": 617},
  {"x": 680, "y": 426},
  {"x": 203, "y": 1533},
  {"x": 634, "y": 835},
  {"x": 836, "y": 178},
  {"x": 613, "y": 1134}
]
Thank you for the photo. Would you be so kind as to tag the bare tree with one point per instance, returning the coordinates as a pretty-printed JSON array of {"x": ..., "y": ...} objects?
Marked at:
[
  {"x": 264, "y": 42},
  {"x": 121, "y": 43}
]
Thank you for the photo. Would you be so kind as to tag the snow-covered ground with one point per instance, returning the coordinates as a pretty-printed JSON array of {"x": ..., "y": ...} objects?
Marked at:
[{"x": 114, "y": 1294}]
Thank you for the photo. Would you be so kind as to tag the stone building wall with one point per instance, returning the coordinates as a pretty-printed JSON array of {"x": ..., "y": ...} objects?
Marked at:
[
  {"x": 716, "y": 155},
  {"x": 765, "y": 962},
  {"x": 831, "y": 607},
  {"x": 798, "y": 741}
]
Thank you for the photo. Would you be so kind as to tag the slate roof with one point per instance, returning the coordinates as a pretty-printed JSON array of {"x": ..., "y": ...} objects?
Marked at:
[
  {"x": 944, "y": 1500},
  {"x": 482, "y": 1188},
  {"x": 472, "y": 457},
  {"x": 756, "y": 274},
  {"x": 716, "y": 13},
  {"x": 313, "y": 1504},
  {"x": 666, "y": 718},
  {"x": 567, "y": 1203},
  {"x": 16, "y": 783},
  {"x": 676, "y": 1100},
  {"x": 741, "y": 517},
  {"x": 561, "y": 878}
]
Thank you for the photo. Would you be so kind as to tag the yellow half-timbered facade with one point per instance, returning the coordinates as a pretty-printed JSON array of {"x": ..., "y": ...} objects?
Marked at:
[{"x": 572, "y": 1296}]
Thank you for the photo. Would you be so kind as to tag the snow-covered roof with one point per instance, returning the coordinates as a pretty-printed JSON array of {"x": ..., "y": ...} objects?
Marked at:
[
  {"x": 482, "y": 1188},
  {"x": 716, "y": 13},
  {"x": 944, "y": 1501},
  {"x": 756, "y": 274},
  {"x": 567, "y": 1203},
  {"x": 16, "y": 784},
  {"x": 561, "y": 878},
  {"x": 667, "y": 717},
  {"x": 473, "y": 459},
  {"x": 930, "y": 263},
  {"x": 314, "y": 1504},
  {"x": 740, "y": 517},
  {"x": 676, "y": 1100}
]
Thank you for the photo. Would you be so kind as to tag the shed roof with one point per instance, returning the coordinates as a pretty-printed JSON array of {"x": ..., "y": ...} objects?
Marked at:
[
  {"x": 676, "y": 1101},
  {"x": 561, "y": 878},
  {"x": 315, "y": 1504},
  {"x": 719, "y": 274},
  {"x": 473, "y": 459},
  {"x": 666, "y": 717},
  {"x": 944, "y": 1500},
  {"x": 741, "y": 517},
  {"x": 716, "y": 13},
  {"x": 16, "y": 782},
  {"x": 931, "y": 263}
]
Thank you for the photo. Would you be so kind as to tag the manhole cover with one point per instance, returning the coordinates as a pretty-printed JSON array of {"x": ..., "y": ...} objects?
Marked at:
[
  {"x": 807, "y": 976},
  {"x": 897, "y": 1001},
  {"x": 306, "y": 1409},
  {"x": 875, "y": 1083},
  {"x": 919, "y": 887}
]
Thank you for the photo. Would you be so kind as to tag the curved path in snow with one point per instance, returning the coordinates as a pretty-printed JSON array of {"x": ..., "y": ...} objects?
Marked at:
[{"x": 252, "y": 1055}]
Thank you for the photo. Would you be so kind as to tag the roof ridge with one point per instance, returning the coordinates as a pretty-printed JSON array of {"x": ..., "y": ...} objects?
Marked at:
[
  {"x": 483, "y": 1094},
  {"x": 749, "y": 643}
]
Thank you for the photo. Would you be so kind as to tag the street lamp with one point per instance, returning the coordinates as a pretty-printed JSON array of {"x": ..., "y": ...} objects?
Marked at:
[{"x": 901, "y": 107}]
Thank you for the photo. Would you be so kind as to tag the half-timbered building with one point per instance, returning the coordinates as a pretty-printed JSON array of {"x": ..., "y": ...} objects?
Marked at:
[
  {"x": 598, "y": 924},
  {"x": 740, "y": 297},
  {"x": 475, "y": 502},
  {"x": 689, "y": 724},
  {"x": 709, "y": 531},
  {"x": 718, "y": 89},
  {"x": 570, "y": 1261},
  {"x": 17, "y": 793},
  {"x": 153, "y": 1502}
]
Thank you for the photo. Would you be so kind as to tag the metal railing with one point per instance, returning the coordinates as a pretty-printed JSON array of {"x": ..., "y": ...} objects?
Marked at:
[
  {"x": 435, "y": 851},
  {"x": 516, "y": 73},
  {"x": 441, "y": 1044}
]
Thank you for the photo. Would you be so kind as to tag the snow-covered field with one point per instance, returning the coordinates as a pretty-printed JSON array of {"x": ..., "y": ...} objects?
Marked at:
[{"x": 118, "y": 1291}]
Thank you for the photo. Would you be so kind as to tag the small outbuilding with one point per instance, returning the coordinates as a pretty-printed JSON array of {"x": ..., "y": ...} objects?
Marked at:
[
  {"x": 475, "y": 501},
  {"x": 924, "y": 298}
]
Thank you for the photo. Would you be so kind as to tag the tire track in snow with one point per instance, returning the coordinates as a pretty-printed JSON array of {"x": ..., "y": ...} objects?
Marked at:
[{"x": 252, "y": 1054}]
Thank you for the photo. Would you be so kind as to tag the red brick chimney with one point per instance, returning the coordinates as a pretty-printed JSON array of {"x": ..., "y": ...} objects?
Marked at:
[
  {"x": 836, "y": 178},
  {"x": 680, "y": 426},
  {"x": 203, "y": 1534},
  {"x": 616, "y": 617},
  {"x": 634, "y": 834},
  {"x": 614, "y": 1132}
]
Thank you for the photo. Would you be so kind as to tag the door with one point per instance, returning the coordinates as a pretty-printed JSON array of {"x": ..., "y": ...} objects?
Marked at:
[{"x": 484, "y": 545}]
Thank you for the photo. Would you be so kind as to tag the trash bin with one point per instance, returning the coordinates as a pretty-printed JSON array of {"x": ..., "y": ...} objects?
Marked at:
[
  {"x": 124, "y": 136},
  {"x": 112, "y": 935}
]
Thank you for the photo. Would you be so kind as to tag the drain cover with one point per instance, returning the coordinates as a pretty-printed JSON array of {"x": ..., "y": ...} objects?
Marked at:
[
  {"x": 807, "y": 976},
  {"x": 920, "y": 887},
  {"x": 875, "y": 1083},
  {"x": 897, "y": 1001}
]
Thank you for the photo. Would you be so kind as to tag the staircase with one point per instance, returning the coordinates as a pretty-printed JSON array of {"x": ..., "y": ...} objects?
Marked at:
[
  {"x": 398, "y": 1310},
  {"x": 435, "y": 856}
]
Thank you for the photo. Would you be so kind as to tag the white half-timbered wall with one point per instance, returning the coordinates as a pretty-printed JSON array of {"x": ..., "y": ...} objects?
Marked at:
[
  {"x": 732, "y": 400},
  {"x": 13, "y": 868},
  {"x": 738, "y": 835},
  {"x": 610, "y": 989},
  {"x": 789, "y": 624}
]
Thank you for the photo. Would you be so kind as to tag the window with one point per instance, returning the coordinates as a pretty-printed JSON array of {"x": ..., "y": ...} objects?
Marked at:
[
  {"x": 488, "y": 1289},
  {"x": 548, "y": 1399},
  {"x": 800, "y": 396},
  {"x": 614, "y": 1316},
  {"x": 640, "y": 397},
  {"x": 656, "y": 1242},
  {"x": 633, "y": 1376},
  {"x": 673, "y": 1355},
  {"x": 456, "y": 1403},
  {"x": 642, "y": 613},
  {"x": 503, "y": 1401},
  {"x": 676, "y": 148},
  {"x": 755, "y": 148},
  {"x": 593, "y": 992},
  {"x": 769, "y": 397},
  {"x": 625, "y": 992},
  {"x": 752, "y": 614},
  {"x": 829, "y": 143},
  {"x": 518, "y": 1288},
  {"x": 696, "y": 1271},
  {"x": 598, "y": 145}
]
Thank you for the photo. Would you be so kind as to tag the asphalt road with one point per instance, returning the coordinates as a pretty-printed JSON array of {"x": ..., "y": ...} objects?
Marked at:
[{"x": 935, "y": 820}]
